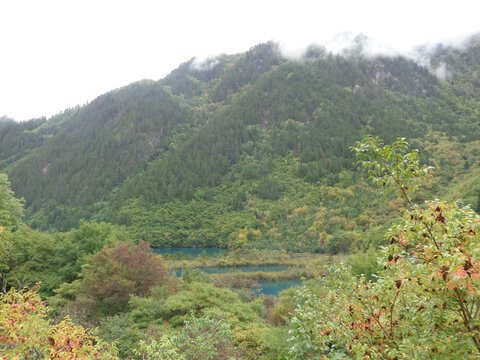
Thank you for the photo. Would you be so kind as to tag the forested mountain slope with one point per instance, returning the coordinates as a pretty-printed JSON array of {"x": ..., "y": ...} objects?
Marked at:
[
  {"x": 95, "y": 148},
  {"x": 249, "y": 149}
]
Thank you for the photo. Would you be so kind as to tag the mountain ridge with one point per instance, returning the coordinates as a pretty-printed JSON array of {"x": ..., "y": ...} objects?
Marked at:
[{"x": 198, "y": 131}]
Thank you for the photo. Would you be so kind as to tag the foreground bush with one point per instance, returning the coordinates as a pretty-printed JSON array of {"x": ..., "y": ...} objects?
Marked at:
[
  {"x": 26, "y": 332},
  {"x": 426, "y": 302}
]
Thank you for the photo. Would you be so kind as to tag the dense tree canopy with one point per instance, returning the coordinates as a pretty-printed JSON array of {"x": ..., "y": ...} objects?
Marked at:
[{"x": 165, "y": 142}]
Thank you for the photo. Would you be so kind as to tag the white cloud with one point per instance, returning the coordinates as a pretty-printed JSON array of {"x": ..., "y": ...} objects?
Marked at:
[{"x": 57, "y": 54}]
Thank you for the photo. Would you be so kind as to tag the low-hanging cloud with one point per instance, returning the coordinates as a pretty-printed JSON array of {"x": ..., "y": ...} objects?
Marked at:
[
  {"x": 351, "y": 44},
  {"x": 204, "y": 63}
]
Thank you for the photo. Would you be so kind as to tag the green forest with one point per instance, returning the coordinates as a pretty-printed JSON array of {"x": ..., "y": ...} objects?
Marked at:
[{"x": 359, "y": 174}]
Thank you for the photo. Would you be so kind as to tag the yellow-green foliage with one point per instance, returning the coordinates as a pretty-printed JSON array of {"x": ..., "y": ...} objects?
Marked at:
[{"x": 25, "y": 332}]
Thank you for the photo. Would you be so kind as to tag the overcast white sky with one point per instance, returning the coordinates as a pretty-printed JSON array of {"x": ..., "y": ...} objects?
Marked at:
[{"x": 55, "y": 54}]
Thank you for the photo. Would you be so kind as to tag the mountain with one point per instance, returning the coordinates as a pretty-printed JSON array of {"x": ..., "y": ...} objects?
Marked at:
[{"x": 249, "y": 150}]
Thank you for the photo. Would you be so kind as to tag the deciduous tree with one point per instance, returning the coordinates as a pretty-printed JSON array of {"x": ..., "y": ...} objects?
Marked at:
[{"x": 110, "y": 276}]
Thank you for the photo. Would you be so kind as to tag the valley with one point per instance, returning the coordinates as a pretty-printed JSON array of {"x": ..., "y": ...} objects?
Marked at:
[{"x": 255, "y": 207}]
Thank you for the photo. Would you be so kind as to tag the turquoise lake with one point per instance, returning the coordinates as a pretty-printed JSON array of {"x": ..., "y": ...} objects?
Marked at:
[
  {"x": 266, "y": 287},
  {"x": 190, "y": 251}
]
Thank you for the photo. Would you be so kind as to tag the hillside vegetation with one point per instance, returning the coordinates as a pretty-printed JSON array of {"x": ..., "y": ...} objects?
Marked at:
[
  {"x": 249, "y": 150},
  {"x": 263, "y": 155}
]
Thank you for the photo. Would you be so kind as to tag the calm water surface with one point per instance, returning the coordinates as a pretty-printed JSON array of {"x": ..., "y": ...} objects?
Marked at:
[
  {"x": 267, "y": 287},
  {"x": 190, "y": 251}
]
